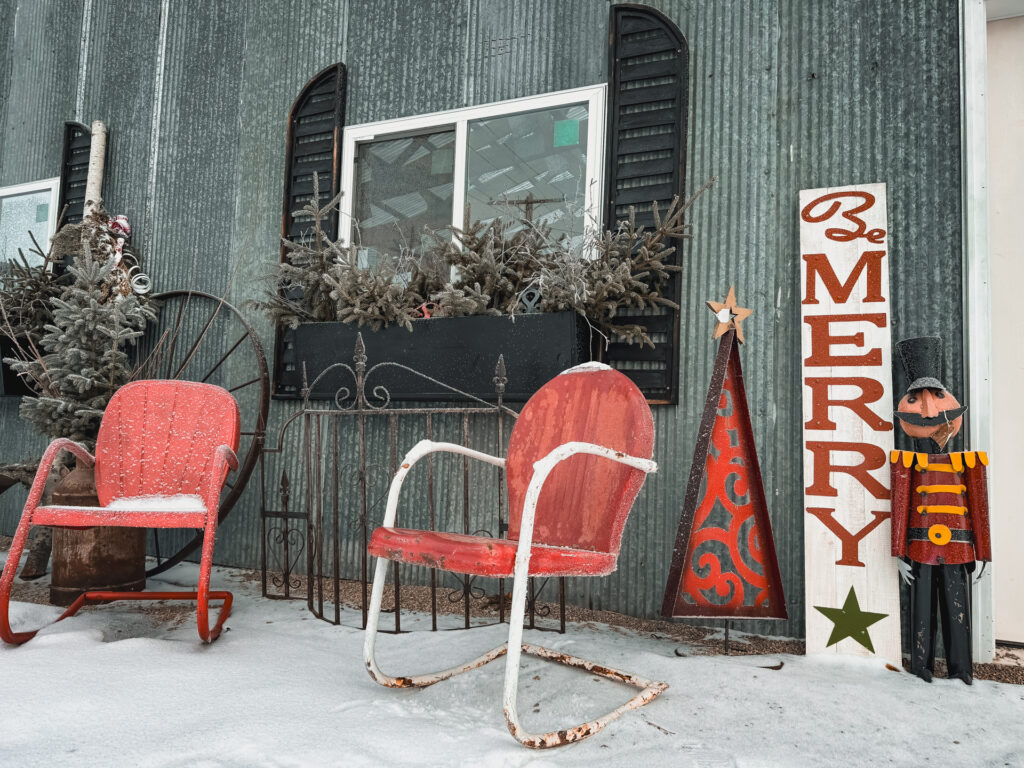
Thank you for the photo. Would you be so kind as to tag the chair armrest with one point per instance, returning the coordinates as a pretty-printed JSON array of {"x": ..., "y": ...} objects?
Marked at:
[
  {"x": 227, "y": 456},
  {"x": 543, "y": 467},
  {"x": 421, "y": 449},
  {"x": 224, "y": 460},
  {"x": 565, "y": 450},
  {"x": 35, "y": 495}
]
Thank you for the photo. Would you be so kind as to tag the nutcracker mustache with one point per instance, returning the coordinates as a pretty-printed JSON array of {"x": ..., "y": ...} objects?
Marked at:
[{"x": 944, "y": 417}]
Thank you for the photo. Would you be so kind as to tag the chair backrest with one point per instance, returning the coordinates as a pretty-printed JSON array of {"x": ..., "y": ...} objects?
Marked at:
[
  {"x": 586, "y": 499},
  {"x": 159, "y": 438}
]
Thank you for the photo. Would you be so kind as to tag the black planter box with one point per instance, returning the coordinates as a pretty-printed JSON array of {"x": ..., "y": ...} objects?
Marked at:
[
  {"x": 459, "y": 351},
  {"x": 11, "y": 384}
]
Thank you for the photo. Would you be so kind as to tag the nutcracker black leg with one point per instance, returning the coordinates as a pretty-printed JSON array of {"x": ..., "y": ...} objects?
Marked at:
[
  {"x": 956, "y": 622},
  {"x": 924, "y": 603}
]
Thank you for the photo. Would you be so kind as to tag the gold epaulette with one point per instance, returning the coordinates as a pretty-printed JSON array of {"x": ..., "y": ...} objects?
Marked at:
[
  {"x": 969, "y": 459},
  {"x": 957, "y": 460},
  {"x": 908, "y": 457}
]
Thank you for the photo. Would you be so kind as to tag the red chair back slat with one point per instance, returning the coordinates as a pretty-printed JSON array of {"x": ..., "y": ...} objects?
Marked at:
[
  {"x": 586, "y": 499},
  {"x": 159, "y": 437}
]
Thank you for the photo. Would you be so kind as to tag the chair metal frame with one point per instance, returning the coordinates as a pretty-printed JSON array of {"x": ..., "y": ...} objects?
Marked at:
[
  {"x": 221, "y": 462},
  {"x": 514, "y": 647}
]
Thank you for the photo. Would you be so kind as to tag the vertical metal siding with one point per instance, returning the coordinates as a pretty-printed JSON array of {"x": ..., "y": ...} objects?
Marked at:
[
  {"x": 39, "y": 49},
  {"x": 783, "y": 95},
  {"x": 40, "y": 52},
  {"x": 125, "y": 41}
]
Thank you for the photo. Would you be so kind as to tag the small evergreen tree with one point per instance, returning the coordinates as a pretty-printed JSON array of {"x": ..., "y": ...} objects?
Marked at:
[{"x": 84, "y": 358}]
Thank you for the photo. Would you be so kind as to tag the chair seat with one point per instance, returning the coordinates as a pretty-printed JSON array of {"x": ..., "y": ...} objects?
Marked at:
[
  {"x": 484, "y": 556},
  {"x": 179, "y": 511}
]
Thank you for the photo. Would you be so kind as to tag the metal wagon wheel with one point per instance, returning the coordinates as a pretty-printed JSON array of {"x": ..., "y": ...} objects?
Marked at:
[{"x": 200, "y": 337}]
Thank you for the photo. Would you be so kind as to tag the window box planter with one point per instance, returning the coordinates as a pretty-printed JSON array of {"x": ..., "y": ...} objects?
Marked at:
[{"x": 460, "y": 351}]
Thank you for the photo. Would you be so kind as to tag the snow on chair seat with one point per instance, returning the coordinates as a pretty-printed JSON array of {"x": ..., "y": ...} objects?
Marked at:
[
  {"x": 484, "y": 556},
  {"x": 155, "y": 511},
  {"x": 578, "y": 454},
  {"x": 163, "y": 454}
]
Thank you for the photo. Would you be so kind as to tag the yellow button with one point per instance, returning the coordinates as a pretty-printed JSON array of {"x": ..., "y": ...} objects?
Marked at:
[{"x": 939, "y": 534}]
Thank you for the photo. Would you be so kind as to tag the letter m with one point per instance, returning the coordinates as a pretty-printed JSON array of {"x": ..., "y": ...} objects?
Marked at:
[{"x": 818, "y": 264}]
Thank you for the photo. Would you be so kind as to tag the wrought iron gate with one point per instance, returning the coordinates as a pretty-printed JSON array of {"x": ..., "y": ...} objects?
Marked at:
[{"x": 330, "y": 495}]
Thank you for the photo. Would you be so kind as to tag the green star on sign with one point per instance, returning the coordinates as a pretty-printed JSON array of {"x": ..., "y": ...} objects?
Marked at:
[{"x": 850, "y": 621}]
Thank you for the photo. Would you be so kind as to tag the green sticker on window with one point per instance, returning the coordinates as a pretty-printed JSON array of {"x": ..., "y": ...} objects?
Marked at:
[
  {"x": 42, "y": 212},
  {"x": 567, "y": 133}
]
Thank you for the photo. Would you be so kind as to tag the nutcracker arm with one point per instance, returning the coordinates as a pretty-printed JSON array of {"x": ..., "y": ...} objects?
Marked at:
[
  {"x": 900, "y": 468},
  {"x": 976, "y": 480}
]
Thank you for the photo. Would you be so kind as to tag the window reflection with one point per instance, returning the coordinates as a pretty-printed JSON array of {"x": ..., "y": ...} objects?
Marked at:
[
  {"x": 20, "y": 215},
  {"x": 401, "y": 187},
  {"x": 530, "y": 166}
]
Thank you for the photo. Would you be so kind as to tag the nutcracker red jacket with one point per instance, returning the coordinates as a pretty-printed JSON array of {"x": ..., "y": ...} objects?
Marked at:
[{"x": 940, "y": 507}]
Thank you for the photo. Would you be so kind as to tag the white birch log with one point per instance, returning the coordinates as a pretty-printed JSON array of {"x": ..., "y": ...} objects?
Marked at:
[{"x": 97, "y": 156}]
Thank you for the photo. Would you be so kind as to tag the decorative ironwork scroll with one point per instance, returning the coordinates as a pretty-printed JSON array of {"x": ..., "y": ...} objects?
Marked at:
[{"x": 724, "y": 563}]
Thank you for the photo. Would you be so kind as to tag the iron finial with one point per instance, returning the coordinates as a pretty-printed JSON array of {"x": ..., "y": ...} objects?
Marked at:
[
  {"x": 359, "y": 357},
  {"x": 500, "y": 377},
  {"x": 285, "y": 489}
]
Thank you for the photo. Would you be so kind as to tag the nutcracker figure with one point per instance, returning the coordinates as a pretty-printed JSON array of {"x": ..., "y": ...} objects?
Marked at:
[{"x": 939, "y": 514}]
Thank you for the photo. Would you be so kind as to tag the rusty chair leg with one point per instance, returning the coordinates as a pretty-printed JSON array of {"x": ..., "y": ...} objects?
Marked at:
[
  {"x": 413, "y": 681},
  {"x": 649, "y": 689},
  {"x": 206, "y": 634},
  {"x": 87, "y": 598},
  {"x": 7, "y": 583},
  {"x": 201, "y": 596}
]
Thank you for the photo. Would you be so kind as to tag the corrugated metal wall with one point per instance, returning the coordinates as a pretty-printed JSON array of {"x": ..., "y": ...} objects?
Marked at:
[{"x": 784, "y": 96}]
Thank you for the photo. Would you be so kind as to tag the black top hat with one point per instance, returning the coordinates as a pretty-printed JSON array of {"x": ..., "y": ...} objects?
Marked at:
[{"x": 922, "y": 361}]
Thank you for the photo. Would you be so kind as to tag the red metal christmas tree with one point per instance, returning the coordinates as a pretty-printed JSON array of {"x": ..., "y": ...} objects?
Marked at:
[{"x": 724, "y": 563}]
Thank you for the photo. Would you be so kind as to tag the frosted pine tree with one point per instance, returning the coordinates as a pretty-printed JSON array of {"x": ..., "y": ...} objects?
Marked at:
[{"x": 85, "y": 359}]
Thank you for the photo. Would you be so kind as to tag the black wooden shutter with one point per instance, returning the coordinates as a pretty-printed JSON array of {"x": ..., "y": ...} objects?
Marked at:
[
  {"x": 647, "y": 115},
  {"x": 74, "y": 167},
  {"x": 314, "y": 146},
  {"x": 315, "y": 124}
]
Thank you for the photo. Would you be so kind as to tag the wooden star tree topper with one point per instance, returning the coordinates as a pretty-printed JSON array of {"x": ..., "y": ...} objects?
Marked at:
[{"x": 729, "y": 315}]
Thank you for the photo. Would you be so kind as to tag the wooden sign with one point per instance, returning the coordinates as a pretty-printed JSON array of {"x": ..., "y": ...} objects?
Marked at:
[{"x": 852, "y": 587}]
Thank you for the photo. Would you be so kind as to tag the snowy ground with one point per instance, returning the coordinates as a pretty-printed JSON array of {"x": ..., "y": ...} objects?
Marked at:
[{"x": 123, "y": 685}]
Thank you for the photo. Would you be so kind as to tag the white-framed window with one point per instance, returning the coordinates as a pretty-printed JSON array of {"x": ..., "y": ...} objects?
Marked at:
[
  {"x": 539, "y": 158},
  {"x": 27, "y": 208}
]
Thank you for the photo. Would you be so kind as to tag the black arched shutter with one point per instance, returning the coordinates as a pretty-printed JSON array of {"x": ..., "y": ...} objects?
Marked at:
[
  {"x": 315, "y": 124},
  {"x": 74, "y": 167},
  {"x": 314, "y": 146},
  {"x": 647, "y": 116}
]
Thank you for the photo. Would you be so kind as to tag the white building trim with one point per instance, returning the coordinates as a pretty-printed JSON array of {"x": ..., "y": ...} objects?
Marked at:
[{"x": 977, "y": 295}]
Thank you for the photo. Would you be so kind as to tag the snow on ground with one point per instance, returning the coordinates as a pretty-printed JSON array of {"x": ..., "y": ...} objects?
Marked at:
[{"x": 124, "y": 685}]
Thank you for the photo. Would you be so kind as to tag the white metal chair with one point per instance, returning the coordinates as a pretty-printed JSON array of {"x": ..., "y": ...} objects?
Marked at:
[{"x": 577, "y": 457}]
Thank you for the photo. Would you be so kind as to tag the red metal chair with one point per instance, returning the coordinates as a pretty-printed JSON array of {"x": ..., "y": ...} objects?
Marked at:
[
  {"x": 577, "y": 457},
  {"x": 163, "y": 453}
]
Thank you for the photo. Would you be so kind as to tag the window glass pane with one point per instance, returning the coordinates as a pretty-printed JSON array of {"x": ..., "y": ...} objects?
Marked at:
[
  {"x": 402, "y": 185},
  {"x": 19, "y": 215},
  {"x": 532, "y": 166}
]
